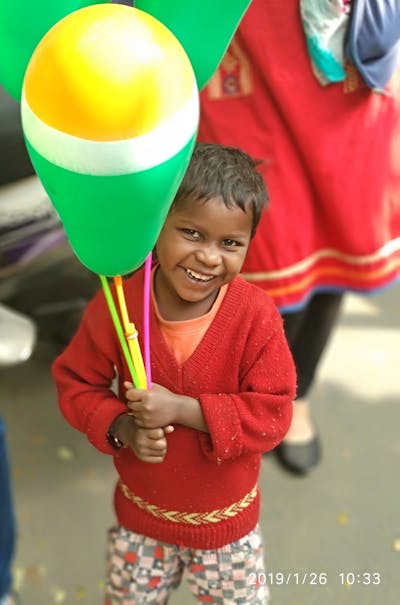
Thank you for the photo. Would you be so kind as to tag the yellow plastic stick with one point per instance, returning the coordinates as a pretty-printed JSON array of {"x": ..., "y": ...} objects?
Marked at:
[
  {"x": 119, "y": 330},
  {"x": 131, "y": 334},
  {"x": 137, "y": 359}
]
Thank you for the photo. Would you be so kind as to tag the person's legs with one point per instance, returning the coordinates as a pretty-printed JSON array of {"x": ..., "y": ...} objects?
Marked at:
[
  {"x": 231, "y": 575},
  {"x": 308, "y": 332},
  {"x": 140, "y": 570},
  {"x": 7, "y": 522}
]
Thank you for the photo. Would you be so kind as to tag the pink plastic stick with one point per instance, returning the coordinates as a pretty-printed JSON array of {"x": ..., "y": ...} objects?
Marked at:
[{"x": 146, "y": 318}]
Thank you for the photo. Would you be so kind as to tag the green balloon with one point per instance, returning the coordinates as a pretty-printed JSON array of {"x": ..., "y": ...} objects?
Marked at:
[
  {"x": 23, "y": 24},
  {"x": 203, "y": 28},
  {"x": 112, "y": 222}
]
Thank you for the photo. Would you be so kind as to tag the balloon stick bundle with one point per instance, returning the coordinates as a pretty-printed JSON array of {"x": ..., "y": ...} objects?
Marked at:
[{"x": 127, "y": 334}]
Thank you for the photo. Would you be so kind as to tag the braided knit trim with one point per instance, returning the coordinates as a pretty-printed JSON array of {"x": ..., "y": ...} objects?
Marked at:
[{"x": 174, "y": 516}]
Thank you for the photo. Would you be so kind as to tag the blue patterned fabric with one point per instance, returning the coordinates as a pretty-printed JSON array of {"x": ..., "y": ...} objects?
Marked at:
[{"x": 373, "y": 40}]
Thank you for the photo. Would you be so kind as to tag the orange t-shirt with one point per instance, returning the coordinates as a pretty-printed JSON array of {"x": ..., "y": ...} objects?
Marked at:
[{"x": 184, "y": 336}]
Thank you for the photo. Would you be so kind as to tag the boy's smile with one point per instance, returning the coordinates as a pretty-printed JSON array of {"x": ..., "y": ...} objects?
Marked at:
[{"x": 201, "y": 247}]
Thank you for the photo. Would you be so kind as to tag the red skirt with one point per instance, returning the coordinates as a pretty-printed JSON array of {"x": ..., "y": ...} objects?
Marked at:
[{"x": 330, "y": 156}]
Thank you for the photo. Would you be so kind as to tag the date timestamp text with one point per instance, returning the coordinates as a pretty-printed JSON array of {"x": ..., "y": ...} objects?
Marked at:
[{"x": 314, "y": 578}]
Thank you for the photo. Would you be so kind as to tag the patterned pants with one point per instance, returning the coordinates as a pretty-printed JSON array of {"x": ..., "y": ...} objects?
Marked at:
[{"x": 143, "y": 571}]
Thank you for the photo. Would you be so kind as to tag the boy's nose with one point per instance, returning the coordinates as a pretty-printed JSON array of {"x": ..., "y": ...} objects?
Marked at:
[{"x": 208, "y": 256}]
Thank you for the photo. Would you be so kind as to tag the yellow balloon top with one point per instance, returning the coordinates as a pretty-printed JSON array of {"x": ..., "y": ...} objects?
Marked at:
[{"x": 108, "y": 72}]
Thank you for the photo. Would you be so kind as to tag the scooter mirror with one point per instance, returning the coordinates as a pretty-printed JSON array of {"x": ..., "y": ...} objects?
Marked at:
[{"x": 17, "y": 337}]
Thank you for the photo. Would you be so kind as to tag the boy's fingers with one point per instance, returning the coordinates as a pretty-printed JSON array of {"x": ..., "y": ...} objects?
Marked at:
[
  {"x": 157, "y": 448},
  {"x": 135, "y": 394},
  {"x": 160, "y": 451},
  {"x": 151, "y": 460},
  {"x": 155, "y": 434}
]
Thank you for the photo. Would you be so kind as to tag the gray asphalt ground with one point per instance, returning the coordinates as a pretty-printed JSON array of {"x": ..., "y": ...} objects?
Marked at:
[{"x": 321, "y": 532}]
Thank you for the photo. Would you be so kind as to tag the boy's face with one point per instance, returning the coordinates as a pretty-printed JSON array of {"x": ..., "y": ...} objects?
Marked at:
[{"x": 201, "y": 247}]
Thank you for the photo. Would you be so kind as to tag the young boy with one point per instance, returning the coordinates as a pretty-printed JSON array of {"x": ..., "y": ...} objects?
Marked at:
[{"x": 223, "y": 387}]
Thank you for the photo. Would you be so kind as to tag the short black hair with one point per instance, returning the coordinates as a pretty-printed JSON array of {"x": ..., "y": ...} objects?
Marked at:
[{"x": 227, "y": 172}]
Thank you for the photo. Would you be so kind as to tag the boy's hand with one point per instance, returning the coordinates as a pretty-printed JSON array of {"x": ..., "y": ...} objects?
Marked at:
[
  {"x": 149, "y": 445},
  {"x": 153, "y": 408}
]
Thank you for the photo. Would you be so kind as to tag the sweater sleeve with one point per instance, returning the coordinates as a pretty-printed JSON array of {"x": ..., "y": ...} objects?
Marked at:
[
  {"x": 257, "y": 418},
  {"x": 83, "y": 374}
]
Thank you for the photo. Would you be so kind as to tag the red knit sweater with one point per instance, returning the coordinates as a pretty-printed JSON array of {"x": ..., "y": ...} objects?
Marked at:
[{"x": 204, "y": 494}]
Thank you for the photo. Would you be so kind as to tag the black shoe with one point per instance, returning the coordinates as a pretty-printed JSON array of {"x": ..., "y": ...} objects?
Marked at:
[{"x": 299, "y": 458}]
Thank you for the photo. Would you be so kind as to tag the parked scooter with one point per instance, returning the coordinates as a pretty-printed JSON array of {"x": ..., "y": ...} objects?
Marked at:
[
  {"x": 39, "y": 274},
  {"x": 40, "y": 277}
]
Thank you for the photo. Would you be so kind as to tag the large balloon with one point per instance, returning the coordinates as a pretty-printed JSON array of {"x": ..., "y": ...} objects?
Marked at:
[
  {"x": 22, "y": 24},
  {"x": 110, "y": 113},
  {"x": 204, "y": 28}
]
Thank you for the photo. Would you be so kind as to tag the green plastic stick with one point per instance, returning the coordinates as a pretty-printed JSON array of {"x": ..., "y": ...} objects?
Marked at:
[{"x": 119, "y": 330}]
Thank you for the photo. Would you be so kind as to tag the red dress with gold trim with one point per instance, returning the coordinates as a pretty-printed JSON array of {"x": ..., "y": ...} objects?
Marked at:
[{"x": 330, "y": 157}]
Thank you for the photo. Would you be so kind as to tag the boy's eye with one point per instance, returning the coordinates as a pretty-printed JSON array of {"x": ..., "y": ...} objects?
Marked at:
[
  {"x": 192, "y": 233},
  {"x": 230, "y": 243}
]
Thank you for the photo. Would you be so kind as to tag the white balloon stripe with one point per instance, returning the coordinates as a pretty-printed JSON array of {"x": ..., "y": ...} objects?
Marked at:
[{"x": 109, "y": 158}]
